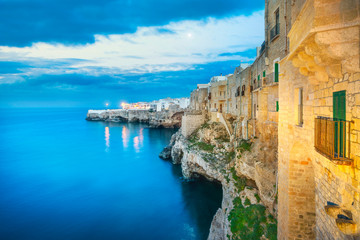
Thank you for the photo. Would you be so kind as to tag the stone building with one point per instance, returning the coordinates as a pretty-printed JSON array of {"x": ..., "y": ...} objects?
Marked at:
[
  {"x": 199, "y": 97},
  {"x": 230, "y": 95},
  {"x": 319, "y": 122},
  {"x": 218, "y": 96}
]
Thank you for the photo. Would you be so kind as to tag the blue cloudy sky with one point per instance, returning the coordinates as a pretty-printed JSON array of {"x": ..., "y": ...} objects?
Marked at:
[{"x": 83, "y": 53}]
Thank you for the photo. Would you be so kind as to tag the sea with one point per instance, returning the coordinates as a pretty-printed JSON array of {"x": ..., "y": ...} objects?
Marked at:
[{"x": 65, "y": 178}]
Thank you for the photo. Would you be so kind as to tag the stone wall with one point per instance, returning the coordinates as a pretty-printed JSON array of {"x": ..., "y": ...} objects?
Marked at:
[
  {"x": 308, "y": 180},
  {"x": 231, "y": 99},
  {"x": 198, "y": 99},
  {"x": 191, "y": 122},
  {"x": 218, "y": 95}
]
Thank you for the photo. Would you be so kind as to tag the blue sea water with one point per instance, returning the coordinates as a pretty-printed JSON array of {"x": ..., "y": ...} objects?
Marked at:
[{"x": 62, "y": 177}]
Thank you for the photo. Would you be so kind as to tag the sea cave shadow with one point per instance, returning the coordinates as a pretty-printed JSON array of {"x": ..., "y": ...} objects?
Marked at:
[{"x": 201, "y": 197}]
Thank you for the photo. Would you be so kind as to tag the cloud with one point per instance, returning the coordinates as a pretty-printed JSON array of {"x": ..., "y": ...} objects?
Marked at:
[
  {"x": 78, "y": 21},
  {"x": 174, "y": 47}
]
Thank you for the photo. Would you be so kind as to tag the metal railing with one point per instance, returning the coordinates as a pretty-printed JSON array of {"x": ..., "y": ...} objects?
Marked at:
[
  {"x": 332, "y": 139},
  {"x": 275, "y": 31}
]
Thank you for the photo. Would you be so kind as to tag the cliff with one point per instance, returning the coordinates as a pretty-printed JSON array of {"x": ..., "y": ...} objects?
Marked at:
[
  {"x": 248, "y": 200},
  {"x": 166, "y": 119}
]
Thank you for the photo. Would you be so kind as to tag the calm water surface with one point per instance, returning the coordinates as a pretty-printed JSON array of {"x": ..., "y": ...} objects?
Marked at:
[{"x": 62, "y": 177}]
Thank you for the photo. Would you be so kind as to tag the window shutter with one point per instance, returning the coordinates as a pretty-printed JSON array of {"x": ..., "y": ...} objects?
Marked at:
[
  {"x": 339, "y": 104},
  {"x": 276, "y": 72},
  {"x": 277, "y": 106}
]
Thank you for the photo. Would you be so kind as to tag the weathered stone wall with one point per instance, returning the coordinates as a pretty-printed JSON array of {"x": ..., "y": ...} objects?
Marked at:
[
  {"x": 336, "y": 183},
  {"x": 276, "y": 47},
  {"x": 198, "y": 99},
  {"x": 244, "y": 102},
  {"x": 191, "y": 122},
  {"x": 231, "y": 99},
  {"x": 218, "y": 95},
  {"x": 307, "y": 179},
  {"x": 323, "y": 59}
]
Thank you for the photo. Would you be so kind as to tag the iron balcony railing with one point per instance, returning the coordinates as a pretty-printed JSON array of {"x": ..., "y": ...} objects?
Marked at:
[
  {"x": 332, "y": 139},
  {"x": 275, "y": 31}
]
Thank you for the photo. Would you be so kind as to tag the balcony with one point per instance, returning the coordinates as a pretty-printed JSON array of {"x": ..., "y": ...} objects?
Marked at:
[
  {"x": 332, "y": 139},
  {"x": 275, "y": 31}
]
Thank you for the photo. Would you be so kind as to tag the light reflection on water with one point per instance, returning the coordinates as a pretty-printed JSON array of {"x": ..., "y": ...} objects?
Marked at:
[
  {"x": 124, "y": 136},
  {"x": 58, "y": 183},
  {"x": 107, "y": 138}
]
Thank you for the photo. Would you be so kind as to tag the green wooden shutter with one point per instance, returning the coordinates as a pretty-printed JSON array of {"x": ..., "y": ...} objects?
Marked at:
[
  {"x": 276, "y": 72},
  {"x": 339, "y": 113},
  {"x": 339, "y": 104},
  {"x": 264, "y": 74},
  {"x": 277, "y": 106}
]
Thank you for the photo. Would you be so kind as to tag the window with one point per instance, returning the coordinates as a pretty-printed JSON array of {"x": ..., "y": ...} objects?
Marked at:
[
  {"x": 276, "y": 72},
  {"x": 275, "y": 31},
  {"x": 277, "y": 106},
  {"x": 298, "y": 106},
  {"x": 264, "y": 73},
  {"x": 259, "y": 80}
]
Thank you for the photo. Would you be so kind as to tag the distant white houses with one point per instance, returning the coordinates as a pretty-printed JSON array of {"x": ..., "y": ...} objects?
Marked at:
[
  {"x": 135, "y": 106},
  {"x": 159, "y": 105}
]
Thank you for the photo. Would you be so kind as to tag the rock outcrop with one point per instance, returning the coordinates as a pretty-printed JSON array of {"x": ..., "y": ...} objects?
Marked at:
[
  {"x": 166, "y": 118},
  {"x": 210, "y": 153}
]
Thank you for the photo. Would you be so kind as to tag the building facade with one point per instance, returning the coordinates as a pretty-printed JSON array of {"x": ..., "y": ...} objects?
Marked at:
[{"x": 319, "y": 123}]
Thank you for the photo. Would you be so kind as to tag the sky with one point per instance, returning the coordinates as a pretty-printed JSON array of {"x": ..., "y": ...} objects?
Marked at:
[{"x": 85, "y": 53}]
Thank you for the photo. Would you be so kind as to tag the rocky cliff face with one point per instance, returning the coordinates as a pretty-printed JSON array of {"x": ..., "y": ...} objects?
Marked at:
[
  {"x": 166, "y": 119},
  {"x": 247, "y": 183}
]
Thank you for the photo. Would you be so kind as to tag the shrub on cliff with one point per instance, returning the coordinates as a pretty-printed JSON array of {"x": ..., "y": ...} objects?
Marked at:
[{"x": 251, "y": 222}]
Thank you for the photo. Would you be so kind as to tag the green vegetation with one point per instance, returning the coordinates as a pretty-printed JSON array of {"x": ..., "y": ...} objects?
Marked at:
[
  {"x": 244, "y": 145},
  {"x": 239, "y": 182},
  {"x": 205, "y": 125},
  {"x": 251, "y": 222},
  {"x": 227, "y": 178},
  {"x": 204, "y": 146},
  {"x": 257, "y": 197},
  {"x": 229, "y": 156},
  {"x": 193, "y": 138},
  {"x": 247, "y": 202}
]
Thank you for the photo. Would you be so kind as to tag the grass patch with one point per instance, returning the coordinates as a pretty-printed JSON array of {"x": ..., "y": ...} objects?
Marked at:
[
  {"x": 204, "y": 146},
  {"x": 251, "y": 222},
  {"x": 193, "y": 138},
  {"x": 240, "y": 183},
  {"x": 247, "y": 202},
  {"x": 227, "y": 178},
  {"x": 244, "y": 146},
  {"x": 257, "y": 197}
]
